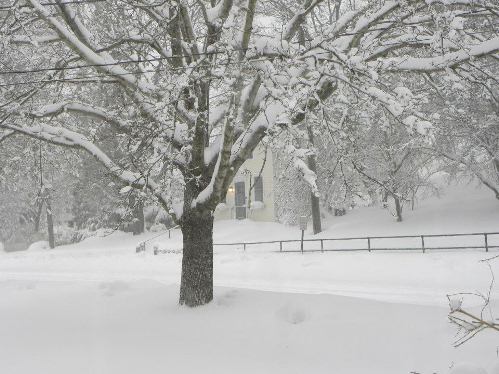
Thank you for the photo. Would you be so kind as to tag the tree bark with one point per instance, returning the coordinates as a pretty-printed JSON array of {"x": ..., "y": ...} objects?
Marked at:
[
  {"x": 38, "y": 213},
  {"x": 314, "y": 200},
  {"x": 196, "y": 287},
  {"x": 137, "y": 207},
  {"x": 398, "y": 208},
  {"x": 50, "y": 224},
  {"x": 316, "y": 214}
]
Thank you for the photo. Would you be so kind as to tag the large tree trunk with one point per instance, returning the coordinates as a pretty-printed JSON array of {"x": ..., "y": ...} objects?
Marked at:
[{"x": 196, "y": 287}]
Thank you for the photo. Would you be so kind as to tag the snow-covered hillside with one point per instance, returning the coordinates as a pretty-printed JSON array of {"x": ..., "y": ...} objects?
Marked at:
[{"x": 99, "y": 307}]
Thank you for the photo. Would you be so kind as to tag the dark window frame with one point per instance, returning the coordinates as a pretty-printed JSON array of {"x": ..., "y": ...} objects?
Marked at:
[{"x": 258, "y": 188}]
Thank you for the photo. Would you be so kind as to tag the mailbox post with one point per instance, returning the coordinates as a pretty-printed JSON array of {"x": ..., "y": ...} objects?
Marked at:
[{"x": 303, "y": 227}]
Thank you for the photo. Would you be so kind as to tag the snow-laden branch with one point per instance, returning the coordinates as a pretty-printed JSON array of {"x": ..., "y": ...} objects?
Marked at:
[
  {"x": 448, "y": 60},
  {"x": 45, "y": 39},
  {"x": 138, "y": 39},
  {"x": 105, "y": 63},
  {"x": 472, "y": 3},
  {"x": 231, "y": 155},
  {"x": 215, "y": 188},
  {"x": 298, "y": 19},
  {"x": 471, "y": 167},
  {"x": 6, "y": 134},
  {"x": 219, "y": 12},
  {"x": 63, "y": 107},
  {"x": 399, "y": 42},
  {"x": 75, "y": 24},
  {"x": 367, "y": 20},
  {"x": 308, "y": 175},
  {"x": 69, "y": 138}
]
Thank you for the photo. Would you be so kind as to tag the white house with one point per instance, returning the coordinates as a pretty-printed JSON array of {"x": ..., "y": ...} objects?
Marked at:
[{"x": 251, "y": 194}]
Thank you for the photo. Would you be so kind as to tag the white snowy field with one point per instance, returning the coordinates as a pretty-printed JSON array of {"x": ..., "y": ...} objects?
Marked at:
[
  {"x": 51, "y": 327},
  {"x": 98, "y": 307}
]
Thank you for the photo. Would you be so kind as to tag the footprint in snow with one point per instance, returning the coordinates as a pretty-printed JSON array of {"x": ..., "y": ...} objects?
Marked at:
[
  {"x": 227, "y": 298},
  {"x": 293, "y": 313},
  {"x": 113, "y": 288},
  {"x": 27, "y": 286}
]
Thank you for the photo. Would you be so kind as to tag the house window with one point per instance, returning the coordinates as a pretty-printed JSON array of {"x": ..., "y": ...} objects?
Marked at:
[
  {"x": 240, "y": 200},
  {"x": 258, "y": 188}
]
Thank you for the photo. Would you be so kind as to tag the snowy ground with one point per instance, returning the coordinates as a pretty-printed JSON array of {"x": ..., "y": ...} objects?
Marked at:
[
  {"x": 134, "y": 327},
  {"x": 97, "y": 307}
]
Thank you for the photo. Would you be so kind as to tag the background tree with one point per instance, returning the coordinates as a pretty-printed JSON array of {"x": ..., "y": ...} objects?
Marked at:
[
  {"x": 467, "y": 127},
  {"x": 36, "y": 181}
]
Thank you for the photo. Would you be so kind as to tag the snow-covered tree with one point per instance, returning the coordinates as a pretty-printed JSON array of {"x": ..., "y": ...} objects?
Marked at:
[
  {"x": 36, "y": 182},
  {"x": 198, "y": 84},
  {"x": 467, "y": 127}
]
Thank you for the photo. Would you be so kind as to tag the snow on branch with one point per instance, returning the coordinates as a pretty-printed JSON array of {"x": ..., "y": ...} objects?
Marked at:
[
  {"x": 219, "y": 12},
  {"x": 308, "y": 175},
  {"x": 69, "y": 138},
  {"x": 447, "y": 60},
  {"x": 106, "y": 64},
  {"x": 138, "y": 39},
  {"x": 5, "y": 134},
  {"x": 35, "y": 41},
  {"x": 213, "y": 192},
  {"x": 295, "y": 22},
  {"x": 365, "y": 21},
  {"x": 62, "y": 107}
]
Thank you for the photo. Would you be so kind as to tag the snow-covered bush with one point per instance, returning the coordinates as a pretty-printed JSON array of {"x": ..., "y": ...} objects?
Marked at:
[
  {"x": 83, "y": 234},
  {"x": 157, "y": 227},
  {"x": 65, "y": 235}
]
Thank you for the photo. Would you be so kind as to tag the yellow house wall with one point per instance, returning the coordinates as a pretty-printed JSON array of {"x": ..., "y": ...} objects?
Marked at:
[{"x": 248, "y": 171}]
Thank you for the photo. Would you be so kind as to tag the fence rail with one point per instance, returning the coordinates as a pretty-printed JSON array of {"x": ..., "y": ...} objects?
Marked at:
[
  {"x": 370, "y": 243},
  {"x": 141, "y": 247}
]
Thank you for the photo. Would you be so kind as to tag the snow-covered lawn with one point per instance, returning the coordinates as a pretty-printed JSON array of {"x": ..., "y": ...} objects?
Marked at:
[
  {"x": 135, "y": 327},
  {"x": 98, "y": 307}
]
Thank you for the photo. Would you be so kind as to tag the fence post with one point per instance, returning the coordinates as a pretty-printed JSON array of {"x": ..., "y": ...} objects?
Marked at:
[
  {"x": 369, "y": 244},
  {"x": 244, "y": 246},
  {"x": 486, "y": 242},
  {"x": 169, "y": 234},
  {"x": 280, "y": 246},
  {"x": 302, "y": 233},
  {"x": 322, "y": 246},
  {"x": 422, "y": 243}
]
